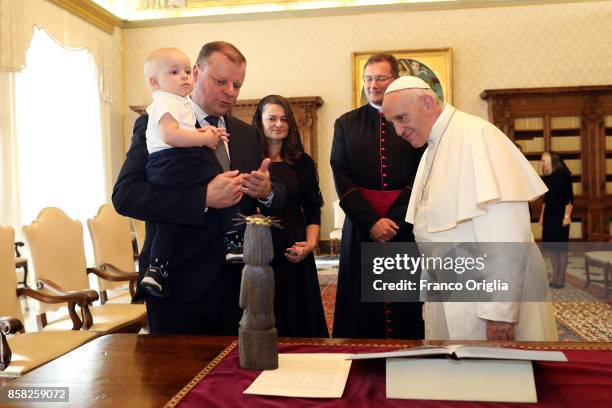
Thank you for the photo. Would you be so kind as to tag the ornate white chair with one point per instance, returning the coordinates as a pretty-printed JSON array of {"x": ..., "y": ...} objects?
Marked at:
[
  {"x": 112, "y": 243},
  {"x": 58, "y": 256},
  {"x": 336, "y": 235},
  {"x": 22, "y": 352}
]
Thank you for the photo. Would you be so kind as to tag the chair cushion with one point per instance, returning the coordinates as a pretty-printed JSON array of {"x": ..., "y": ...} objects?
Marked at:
[
  {"x": 20, "y": 261},
  {"x": 602, "y": 256},
  {"x": 107, "y": 318},
  {"x": 31, "y": 350},
  {"x": 121, "y": 296},
  {"x": 335, "y": 234}
]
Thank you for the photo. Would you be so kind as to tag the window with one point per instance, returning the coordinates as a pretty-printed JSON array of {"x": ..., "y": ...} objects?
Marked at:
[{"x": 59, "y": 141}]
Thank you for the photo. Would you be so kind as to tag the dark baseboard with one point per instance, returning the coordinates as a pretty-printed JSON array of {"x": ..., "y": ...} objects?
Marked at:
[{"x": 323, "y": 247}]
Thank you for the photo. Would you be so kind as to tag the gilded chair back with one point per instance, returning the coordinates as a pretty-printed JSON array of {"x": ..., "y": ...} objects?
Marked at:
[
  {"x": 112, "y": 242},
  {"x": 56, "y": 247},
  {"x": 9, "y": 302}
]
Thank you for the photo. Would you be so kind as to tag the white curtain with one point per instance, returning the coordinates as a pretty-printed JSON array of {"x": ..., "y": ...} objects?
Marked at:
[
  {"x": 19, "y": 19},
  {"x": 9, "y": 208},
  {"x": 59, "y": 140}
]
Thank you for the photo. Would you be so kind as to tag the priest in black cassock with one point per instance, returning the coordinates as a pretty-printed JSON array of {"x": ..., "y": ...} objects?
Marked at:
[{"x": 373, "y": 171}]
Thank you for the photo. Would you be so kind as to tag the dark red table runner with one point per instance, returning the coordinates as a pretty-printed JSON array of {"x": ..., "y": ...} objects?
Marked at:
[{"x": 585, "y": 381}]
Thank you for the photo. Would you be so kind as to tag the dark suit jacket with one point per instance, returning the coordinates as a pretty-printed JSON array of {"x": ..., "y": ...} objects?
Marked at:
[{"x": 200, "y": 251}]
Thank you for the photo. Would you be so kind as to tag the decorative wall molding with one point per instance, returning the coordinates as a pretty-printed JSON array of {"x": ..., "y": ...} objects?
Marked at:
[
  {"x": 304, "y": 108},
  {"x": 92, "y": 13},
  {"x": 305, "y": 111},
  {"x": 237, "y": 10}
]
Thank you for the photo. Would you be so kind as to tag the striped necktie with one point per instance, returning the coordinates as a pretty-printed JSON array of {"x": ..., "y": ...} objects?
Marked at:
[{"x": 220, "y": 151}]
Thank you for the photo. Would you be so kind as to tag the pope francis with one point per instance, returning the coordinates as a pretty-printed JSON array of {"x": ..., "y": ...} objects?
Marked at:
[{"x": 472, "y": 185}]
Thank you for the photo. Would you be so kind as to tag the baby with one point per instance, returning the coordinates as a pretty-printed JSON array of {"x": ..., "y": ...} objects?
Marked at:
[{"x": 180, "y": 155}]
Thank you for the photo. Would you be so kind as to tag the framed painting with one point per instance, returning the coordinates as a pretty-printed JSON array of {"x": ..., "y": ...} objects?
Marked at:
[{"x": 434, "y": 66}]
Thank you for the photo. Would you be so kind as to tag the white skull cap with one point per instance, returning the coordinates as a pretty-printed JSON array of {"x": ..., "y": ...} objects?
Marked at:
[{"x": 407, "y": 82}]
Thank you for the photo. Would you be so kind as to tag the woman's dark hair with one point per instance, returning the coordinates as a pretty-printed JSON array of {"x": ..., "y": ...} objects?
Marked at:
[
  {"x": 557, "y": 163},
  {"x": 292, "y": 147}
]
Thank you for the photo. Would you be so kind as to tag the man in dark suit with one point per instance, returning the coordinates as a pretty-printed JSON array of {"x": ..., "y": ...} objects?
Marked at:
[{"x": 204, "y": 288}]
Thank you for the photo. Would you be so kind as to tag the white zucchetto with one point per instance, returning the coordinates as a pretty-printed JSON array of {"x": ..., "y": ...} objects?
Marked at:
[{"x": 407, "y": 82}]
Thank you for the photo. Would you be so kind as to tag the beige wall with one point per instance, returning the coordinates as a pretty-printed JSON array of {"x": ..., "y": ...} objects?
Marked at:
[{"x": 529, "y": 46}]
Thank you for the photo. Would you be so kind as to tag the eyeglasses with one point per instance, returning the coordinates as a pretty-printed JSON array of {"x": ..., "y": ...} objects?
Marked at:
[{"x": 377, "y": 78}]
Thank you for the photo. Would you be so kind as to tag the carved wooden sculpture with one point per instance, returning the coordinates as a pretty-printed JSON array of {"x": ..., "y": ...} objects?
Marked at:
[{"x": 257, "y": 335}]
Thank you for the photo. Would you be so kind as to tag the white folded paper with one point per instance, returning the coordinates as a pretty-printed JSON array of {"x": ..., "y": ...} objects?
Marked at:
[{"x": 309, "y": 375}]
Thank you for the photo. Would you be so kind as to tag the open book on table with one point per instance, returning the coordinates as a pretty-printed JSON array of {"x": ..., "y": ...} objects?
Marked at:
[{"x": 460, "y": 351}]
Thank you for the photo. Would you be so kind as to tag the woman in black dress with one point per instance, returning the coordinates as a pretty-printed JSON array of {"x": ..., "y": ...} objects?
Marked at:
[
  {"x": 556, "y": 213},
  {"x": 297, "y": 298}
]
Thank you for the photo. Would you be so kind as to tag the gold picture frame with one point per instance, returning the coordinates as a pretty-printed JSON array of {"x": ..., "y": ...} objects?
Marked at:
[{"x": 434, "y": 66}]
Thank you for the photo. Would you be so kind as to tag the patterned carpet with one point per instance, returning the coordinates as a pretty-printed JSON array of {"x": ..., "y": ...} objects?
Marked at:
[
  {"x": 581, "y": 314},
  {"x": 327, "y": 269}
]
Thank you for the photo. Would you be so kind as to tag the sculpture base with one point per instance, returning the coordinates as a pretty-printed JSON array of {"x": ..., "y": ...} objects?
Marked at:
[{"x": 258, "y": 349}]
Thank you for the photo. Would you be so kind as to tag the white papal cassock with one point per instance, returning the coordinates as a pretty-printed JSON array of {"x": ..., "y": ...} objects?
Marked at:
[{"x": 473, "y": 185}]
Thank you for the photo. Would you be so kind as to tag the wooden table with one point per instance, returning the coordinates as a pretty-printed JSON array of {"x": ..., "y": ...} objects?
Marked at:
[{"x": 147, "y": 371}]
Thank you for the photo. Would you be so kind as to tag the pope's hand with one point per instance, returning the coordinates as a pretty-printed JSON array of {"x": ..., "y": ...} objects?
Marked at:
[{"x": 503, "y": 331}]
